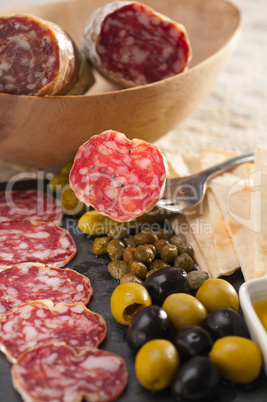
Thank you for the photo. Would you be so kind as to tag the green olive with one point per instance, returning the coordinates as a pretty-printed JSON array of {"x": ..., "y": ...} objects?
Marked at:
[
  {"x": 178, "y": 239},
  {"x": 147, "y": 236},
  {"x": 163, "y": 233},
  {"x": 57, "y": 183},
  {"x": 238, "y": 359},
  {"x": 100, "y": 245},
  {"x": 168, "y": 253},
  {"x": 115, "y": 249},
  {"x": 127, "y": 299},
  {"x": 118, "y": 269},
  {"x": 184, "y": 261},
  {"x": 217, "y": 293},
  {"x": 65, "y": 171},
  {"x": 128, "y": 254},
  {"x": 144, "y": 253},
  {"x": 184, "y": 310},
  {"x": 138, "y": 268},
  {"x": 118, "y": 232},
  {"x": 156, "y": 364},
  {"x": 70, "y": 203}
]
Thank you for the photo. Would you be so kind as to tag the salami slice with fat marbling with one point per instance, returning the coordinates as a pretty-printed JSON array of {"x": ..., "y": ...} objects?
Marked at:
[
  {"x": 37, "y": 57},
  {"x": 28, "y": 241},
  {"x": 26, "y": 282},
  {"x": 40, "y": 322},
  {"x": 131, "y": 44},
  {"x": 120, "y": 178},
  {"x": 54, "y": 372},
  {"x": 30, "y": 204}
]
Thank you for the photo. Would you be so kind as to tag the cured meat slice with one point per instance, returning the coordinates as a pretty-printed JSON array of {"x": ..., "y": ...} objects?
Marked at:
[
  {"x": 28, "y": 282},
  {"x": 40, "y": 322},
  {"x": 131, "y": 44},
  {"x": 55, "y": 372},
  {"x": 28, "y": 241},
  {"x": 118, "y": 177},
  {"x": 32, "y": 205},
  {"x": 37, "y": 57}
]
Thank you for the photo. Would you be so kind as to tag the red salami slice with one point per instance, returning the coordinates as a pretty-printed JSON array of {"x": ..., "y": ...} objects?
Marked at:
[
  {"x": 118, "y": 177},
  {"x": 40, "y": 322},
  {"x": 38, "y": 58},
  {"x": 28, "y": 282},
  {"x": 32, "y": 205},
  {"x": 131, "y": 44},
  {"x": 28, "y": 241},
  {"x": 55, "y": 372}
]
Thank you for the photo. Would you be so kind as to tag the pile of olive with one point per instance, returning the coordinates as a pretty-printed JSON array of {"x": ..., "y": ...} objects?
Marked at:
[
  {"x": 135, "y": 257},
  {"x": 183, "y": 342}
]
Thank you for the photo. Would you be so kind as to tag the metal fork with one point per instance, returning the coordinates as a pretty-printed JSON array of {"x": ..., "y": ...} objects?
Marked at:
[{"x": 183, "y": 193}]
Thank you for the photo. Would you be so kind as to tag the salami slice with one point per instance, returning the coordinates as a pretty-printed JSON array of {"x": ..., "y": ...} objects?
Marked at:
[
  {"x": 28, "y": 282},
  {"x": 118, "y": 177},
  {"x": 28, "y": 241},
  {"x": 131, "y": 44},
  {"x": 37, "y": 57},
  {"x": 55, "y": 372},
  {"x": 40, "y": 322},
  {"x": 32, "y": 205}
]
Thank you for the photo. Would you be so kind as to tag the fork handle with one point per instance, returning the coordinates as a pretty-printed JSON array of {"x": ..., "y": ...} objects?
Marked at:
[{"x": 221, "y": 167}]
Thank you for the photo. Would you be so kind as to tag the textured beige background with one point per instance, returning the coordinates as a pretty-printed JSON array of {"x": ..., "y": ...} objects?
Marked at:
[{"x": 234, "y": 115}]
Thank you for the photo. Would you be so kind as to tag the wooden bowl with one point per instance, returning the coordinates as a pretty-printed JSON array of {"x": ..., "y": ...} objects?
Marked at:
[{"x": 46, "y": 131}]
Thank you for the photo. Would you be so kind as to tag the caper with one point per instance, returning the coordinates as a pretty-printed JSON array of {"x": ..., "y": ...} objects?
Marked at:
[
  {"x": 169, "y": 252},
  {"x": 115, "y": 249},
  {"x": 153, "y": 248},
  {"x": 100, "y": 245},
  {"x": 163, "y": 233},
  {"x": 118, "y": 269},
  {"x": 158, "y": 264},
  {"x": 58, "y": 182},
  {"x": 145, "y": 237},
  {"x": 184, "y": 261},
  {"x": 160, "y": 243},
  {"x": 128, "y": 254},
  {"x": 118, "y": 232},
  {"x": 144, "y": 254},
  {"x": 178, "y": 239},
  {"x": 138, "y": 268},
  {"x": 196, "y": 278},
  {"x": 70, "y": 203},
  {"x": 129, "y": 241},
  {"x": 151, "y": 272},
  {"x": 130, "y": 277},
  {"x": 186, "y": 248}
]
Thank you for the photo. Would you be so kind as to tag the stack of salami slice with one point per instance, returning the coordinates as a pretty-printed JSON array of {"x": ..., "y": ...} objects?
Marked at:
[{"x": 46, "y": 331}]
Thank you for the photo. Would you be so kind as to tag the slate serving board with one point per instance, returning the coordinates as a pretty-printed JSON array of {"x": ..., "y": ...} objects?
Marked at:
[{"x": 103, "y": 285}]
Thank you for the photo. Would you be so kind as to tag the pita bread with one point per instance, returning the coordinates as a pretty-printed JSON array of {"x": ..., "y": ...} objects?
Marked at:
[{"x": 260, "y": 212}]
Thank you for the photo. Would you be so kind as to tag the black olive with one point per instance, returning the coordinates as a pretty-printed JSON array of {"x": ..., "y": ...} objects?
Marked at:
[
  {"x": 191, "y": 341},
  {"x": 165, "y": 282},
  {"x": 224, "y": 322},
  {"x": 151, "y": 322},
  {"x": 196, "y": 380}
]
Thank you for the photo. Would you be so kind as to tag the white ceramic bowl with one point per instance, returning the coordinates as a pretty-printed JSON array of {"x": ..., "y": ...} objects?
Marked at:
[{"x": 251, "y": 292}]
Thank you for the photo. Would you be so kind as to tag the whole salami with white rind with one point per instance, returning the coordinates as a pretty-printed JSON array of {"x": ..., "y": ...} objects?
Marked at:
[
  {"x": 28, "y": 282},
  {"x": 37, "y": 57},
  {"x": 30, "y": 204},
  {"x": 40, "y": 322},
  {"x": 131, "y": 44},
  {"x": 28, "y": 241},
  {"x": 54, "y": 372},
  {"x": 120, "y": 178}
]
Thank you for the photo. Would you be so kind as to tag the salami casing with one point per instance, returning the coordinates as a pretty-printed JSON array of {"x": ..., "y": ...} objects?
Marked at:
[
  {"x": 37, "y": 57},
  {"x": 28, "y": 241},
  {"x": 131, "y": 44},
  {"x": 40, "y": 322},
  {"x": 118, "y": 177},
  {"x": 32, "y": 205},
  {"x": 28, "y": 282},
  {"x": 55, "y": 372}
]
